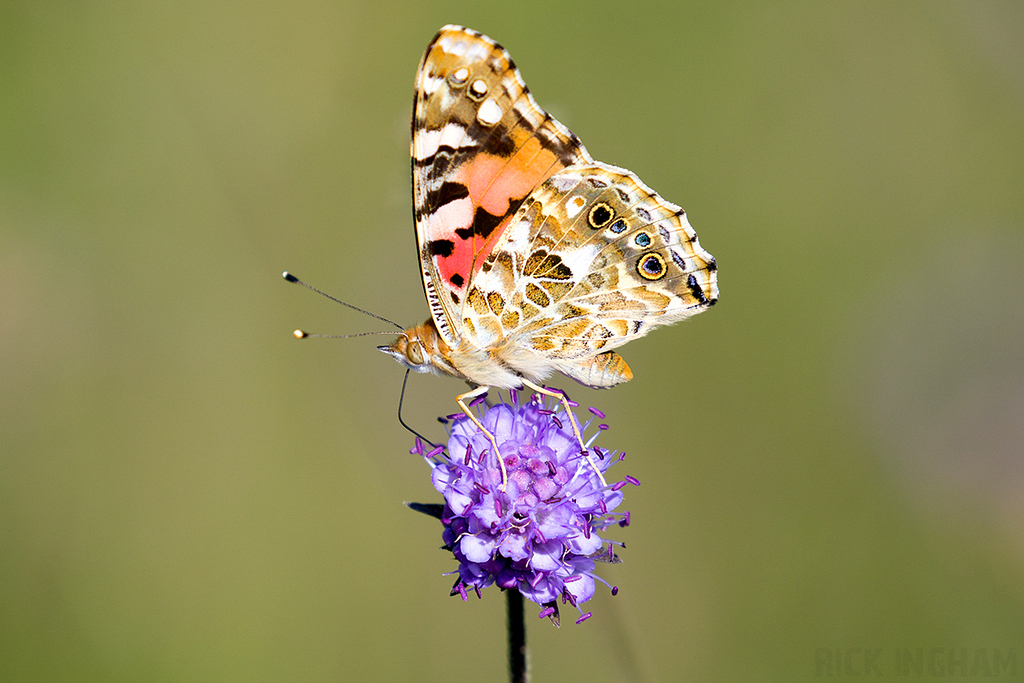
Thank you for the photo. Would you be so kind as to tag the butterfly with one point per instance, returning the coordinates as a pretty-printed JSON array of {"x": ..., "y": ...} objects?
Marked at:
[{"x": 535, "y": 258}]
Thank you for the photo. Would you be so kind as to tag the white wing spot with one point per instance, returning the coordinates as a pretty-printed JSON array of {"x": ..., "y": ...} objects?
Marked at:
[
  {"x": 573, "y": 206},
  {"x": 454, "y": 135},
  {"x": 476, "y": 52},
  {"x": 479, "y": 87},
  {"x": 460, "y": 76},
  {"x": 446, "y": 43},
  {"x": 579, "y": 260},
  {"x": 519, "y": 233},
  {"x": 427, "y": 142},
  {"x": 430, "y": 85},
  {"x": 563, "y": 182},
  {"x": 489, "y": 112}
]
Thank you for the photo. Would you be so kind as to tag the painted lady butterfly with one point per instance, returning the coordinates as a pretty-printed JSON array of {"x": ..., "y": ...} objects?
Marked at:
[{"x": 535, "y": 257}]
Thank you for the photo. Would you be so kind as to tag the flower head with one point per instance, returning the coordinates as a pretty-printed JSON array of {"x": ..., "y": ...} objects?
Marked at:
[{"x": 541, "y": 534}]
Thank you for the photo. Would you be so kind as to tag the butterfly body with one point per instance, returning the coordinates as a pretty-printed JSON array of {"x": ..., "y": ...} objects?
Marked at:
[{"x": 535, "y": 258}]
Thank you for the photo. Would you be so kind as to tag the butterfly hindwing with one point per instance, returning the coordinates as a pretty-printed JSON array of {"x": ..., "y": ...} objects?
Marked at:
[
  {"x": 480, "y": 146},
  {"x": 592, "y": 259}
]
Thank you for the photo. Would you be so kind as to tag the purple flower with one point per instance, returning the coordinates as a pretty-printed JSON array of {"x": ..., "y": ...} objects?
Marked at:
[{"x": 542, "y": 533}]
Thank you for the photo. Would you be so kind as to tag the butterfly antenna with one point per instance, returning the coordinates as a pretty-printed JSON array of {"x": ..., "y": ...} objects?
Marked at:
[
  {"x": 302, "y": 334},
  {"x": 401, "y": 398},
  {"x": 291, "y": 278}
]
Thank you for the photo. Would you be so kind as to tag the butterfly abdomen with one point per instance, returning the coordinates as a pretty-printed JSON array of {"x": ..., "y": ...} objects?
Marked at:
[{"x": 601, "y": 371}]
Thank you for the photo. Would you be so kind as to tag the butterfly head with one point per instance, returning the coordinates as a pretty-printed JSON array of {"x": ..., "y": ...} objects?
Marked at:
[{"x": 421, "y": 349}]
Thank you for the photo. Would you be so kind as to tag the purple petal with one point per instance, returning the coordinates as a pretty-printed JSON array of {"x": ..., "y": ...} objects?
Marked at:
[
  {"x": 477, "y": 548},
  {"x": 582, "y": 590},
  {"x": 582, "y": 545},
  {"x": 546, "y": 557},
  {"x": 515, "y": 546}
]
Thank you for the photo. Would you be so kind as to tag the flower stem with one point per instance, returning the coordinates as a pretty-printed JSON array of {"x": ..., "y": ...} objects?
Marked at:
[{"x": 516, "y": 637}]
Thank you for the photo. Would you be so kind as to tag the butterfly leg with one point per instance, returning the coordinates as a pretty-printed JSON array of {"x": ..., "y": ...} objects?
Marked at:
[
  {"x": 470, "y": 395},
  {"x": 572, "y": 420}
]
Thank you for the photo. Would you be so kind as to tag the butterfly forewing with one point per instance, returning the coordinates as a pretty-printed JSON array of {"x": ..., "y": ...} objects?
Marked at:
[{"x": 480, "y": 146}]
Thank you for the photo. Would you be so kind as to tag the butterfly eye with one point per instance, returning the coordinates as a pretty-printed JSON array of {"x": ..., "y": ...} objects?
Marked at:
[
  {"x": 414, "y": 352},
  {"x": 651, "y": 267},
  {"x": 600, "y": 215}
]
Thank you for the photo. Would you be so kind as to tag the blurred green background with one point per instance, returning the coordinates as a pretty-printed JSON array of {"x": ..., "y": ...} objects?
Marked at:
[{"x": 831, "y": 457}]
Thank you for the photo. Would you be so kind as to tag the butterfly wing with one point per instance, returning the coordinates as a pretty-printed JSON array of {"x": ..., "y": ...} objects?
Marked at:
[
  {"x": 593, "y": 259},
  {"x": 480, "y": 146}
]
